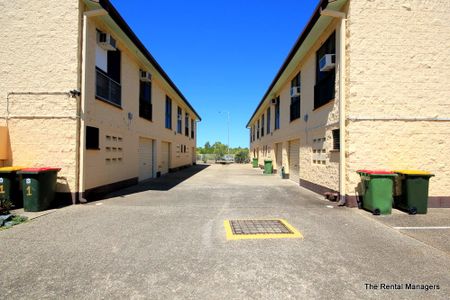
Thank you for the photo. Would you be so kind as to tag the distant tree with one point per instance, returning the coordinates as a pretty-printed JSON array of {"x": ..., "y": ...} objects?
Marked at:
[
  {"x": 241, "y": 155},
  {"x": 219, "y": 149},
  {"x": 208, "y": 148}
]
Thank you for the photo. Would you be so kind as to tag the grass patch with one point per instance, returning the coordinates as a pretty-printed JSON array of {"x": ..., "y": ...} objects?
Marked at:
[{"x": 15, "y": 220}]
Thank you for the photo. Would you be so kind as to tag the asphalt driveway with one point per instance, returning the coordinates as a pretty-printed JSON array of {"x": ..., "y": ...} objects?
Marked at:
[{"x": 165, "y": 239}]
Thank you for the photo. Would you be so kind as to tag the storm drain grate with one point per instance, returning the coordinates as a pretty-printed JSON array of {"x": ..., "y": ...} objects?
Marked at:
[{"x": 260, "y": 229}]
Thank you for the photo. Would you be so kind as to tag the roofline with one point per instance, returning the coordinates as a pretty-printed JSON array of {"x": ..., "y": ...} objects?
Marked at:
[
  {"x": 112, "y": 11},
  {"x": 312, "y": 21}
]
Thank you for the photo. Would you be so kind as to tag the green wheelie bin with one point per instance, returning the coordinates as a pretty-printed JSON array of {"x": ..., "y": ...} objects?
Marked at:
[
  {"x": 38, "y": 187},
  {"x": 377, "y": 188},
  {"x": 10, "y": 186},
  {"x": 414, "y": 191},
  {"x": 268, "y": 167},
  {"x": 255, "y": 162}
]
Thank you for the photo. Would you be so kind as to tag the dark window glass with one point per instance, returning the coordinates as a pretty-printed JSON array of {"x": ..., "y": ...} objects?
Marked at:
[
  {"x": 257, "y": 132},
  {"x": 268, "y": 120},
  {"x": 186, "y": 124},
  {"x": 168, "y": 113},
  {"x": 114, "y": 65},
  {"x": 296, "y": 86},
  {"x": 324, "y": 90},
  {"x": 277, "y": 113},
  {"x": 179, "y": 120},
  {"x": 192, "y": 128},
  {"x": 262, "y": 125},
  {"x": 145, "y": 100},
  {"x": 92, "y": 138}
]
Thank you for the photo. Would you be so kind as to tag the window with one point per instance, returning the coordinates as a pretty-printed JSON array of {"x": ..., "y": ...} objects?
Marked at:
[
  {"x": 107, "y": 84},
  {"x": 277, "y": 113},
  {"x": 257, "y": 132},
  {"x": 268, "y": 120},
  {"x": 179, "y": 117},
  {"x": 336, "y": 142},
  {"x": 324, "y": 90},
  {"x": 92, "y": 138},
  {"x": 145, "y": 100},
  {"x": 296, "y": 87},
  {"x": 192, "y": 128},
  {"x": 251, "y": 134},
  {"x": 168, "y": 113},
  {"x": 254, "y": 132},
  {"x": 186, "y": 124},
  {"x": 262, "y": 125}
]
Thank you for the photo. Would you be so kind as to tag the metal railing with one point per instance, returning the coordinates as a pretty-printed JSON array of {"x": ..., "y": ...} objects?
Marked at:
[{"x": 107, "y": 88}]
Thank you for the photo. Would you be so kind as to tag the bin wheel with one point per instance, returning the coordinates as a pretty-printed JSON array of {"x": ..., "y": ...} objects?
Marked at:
[
  {"x": 376, "y": 212},
  {"x": 412, "y": 211}
]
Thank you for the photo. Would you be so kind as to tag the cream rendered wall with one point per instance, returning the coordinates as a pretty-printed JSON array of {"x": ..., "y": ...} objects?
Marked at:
[
  {"x": 39, "y": 58},
  {"x": 114, "y": 121},
  {"x": 320, "y": 123},
  {"x": 398, "y": 69}
]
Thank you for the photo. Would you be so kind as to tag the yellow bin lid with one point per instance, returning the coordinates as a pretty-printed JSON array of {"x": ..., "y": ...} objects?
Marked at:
[
  {"x": 412, "y": 172},
  {"x": 10, "y": 169}
]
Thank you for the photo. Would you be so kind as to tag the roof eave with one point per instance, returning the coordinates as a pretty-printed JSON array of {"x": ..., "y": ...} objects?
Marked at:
[
  {"x": 114, "y": 14},
  {"x": 312, "y": 21}
]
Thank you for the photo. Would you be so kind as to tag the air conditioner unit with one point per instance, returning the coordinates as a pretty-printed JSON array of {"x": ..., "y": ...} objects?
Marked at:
[
  {"x": 145, "y": 76},
  {"x": 295, "y": 91},
  {"x": 274, "y": 101},
  {"x": 327, "y": 62},
  {"x": 106, "y": 41}
]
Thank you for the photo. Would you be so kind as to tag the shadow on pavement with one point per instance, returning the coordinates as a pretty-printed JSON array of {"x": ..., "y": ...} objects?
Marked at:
[{"x": 163, "y": 183}]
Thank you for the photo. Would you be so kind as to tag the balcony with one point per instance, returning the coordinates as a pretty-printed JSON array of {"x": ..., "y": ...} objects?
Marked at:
[{"x": 107, "y": 89}]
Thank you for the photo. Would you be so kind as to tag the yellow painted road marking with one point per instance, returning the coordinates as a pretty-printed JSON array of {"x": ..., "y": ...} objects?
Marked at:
[{"x": 294, "y": 235}]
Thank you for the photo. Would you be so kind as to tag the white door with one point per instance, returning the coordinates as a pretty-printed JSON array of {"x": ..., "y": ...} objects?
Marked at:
[
  {"x": 294, "y": 160},
  {"x": 165, "y": 157},
  {"x": 145, "y": 158},
  {"x": 279, "y": 156}
]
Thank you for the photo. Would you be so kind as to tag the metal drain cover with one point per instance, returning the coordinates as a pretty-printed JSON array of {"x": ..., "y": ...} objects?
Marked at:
[{"x": 259, "y": 227}]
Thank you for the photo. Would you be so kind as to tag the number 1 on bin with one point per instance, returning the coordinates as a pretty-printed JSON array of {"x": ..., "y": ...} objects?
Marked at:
[{"x": 29, "y": 191}]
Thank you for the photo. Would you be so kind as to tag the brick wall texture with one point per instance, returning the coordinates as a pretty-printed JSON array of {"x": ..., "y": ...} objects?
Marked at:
[{"x": 398, "y": 69}]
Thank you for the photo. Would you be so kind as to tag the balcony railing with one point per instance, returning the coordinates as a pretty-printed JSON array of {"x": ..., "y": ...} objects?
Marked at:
[{"x": 108, "y": 89}]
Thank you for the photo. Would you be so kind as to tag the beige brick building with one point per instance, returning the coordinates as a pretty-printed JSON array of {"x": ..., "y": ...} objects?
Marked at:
[
  {"x": 78, "y": 90},
  {"x": 381, "y": 101}
]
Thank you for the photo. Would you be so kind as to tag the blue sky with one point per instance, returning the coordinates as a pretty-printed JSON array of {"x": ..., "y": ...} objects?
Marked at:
[{"x": 223, "y": 55}]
